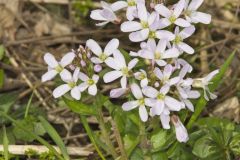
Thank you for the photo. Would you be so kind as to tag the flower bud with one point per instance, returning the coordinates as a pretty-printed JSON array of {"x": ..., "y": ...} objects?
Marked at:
[{"x": 97, "y": 68}]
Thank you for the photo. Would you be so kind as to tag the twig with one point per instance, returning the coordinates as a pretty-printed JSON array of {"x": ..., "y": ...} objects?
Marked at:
[{"x": 22, "y": 149}]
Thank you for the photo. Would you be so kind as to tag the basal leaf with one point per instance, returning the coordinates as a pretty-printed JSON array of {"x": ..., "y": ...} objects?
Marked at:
[{"x": 159, "y": 139}]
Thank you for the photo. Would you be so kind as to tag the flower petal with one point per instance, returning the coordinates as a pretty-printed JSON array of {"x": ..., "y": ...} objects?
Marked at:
[
  {"x": 118, "y": 5},
  {"x": 118, "y": 92},
  {"x": 96, "y": 15},
  {"x": 187, "y": 32},
  {"x": 111, "y": 46},
  {"x": 136, "y": 91},
  {"x": 49, "y": 75},
  {"x": 165, "y": 120},
  {"x": 182, "y": 22},
  {"x": 50, "y": 60},
  {"x": 119, "y": 59},
  {"x": 94, "y": 47},
  {"x": 139, "y": 36},
  {"x": 83, "y": 76},
  {"x": 195, "y": 4},
  {"x": 150, "y": 92},
  {"x": 186, "y": 48},
  {"x": 67, "y": 59},
  {"x": 142, "y": 15},
  {"x": 162, "y": 34},
  {"x": 161, "y": 47},
  {"x": 123, "y": 82},
  {"x": 172, "y": 104},
  {"x": 61, "y": 90},
  {"x": 83, "y": 86},
  {"x": 66, "y": 76},
  {"x": 132, "y": 63},
  {"x": 111, "y": 62},
  {"x": 158, "y": 73},
  {"x": 130, "y": 26},
  {"x": 201, "y": 17},
  {"x": 75, "y": 93},
  {"x": 170, "y": 53},
  {"x": 130, "y": 105},
  {"x": 179, "y": 8},
  {"x": 92, "y": 90},
  {"x": 143, "y": 113},
  {"x": 163, "y": 10},
  {"x": 111, "y": 76}
]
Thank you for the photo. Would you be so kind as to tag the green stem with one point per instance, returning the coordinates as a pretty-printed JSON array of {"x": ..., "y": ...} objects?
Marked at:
[
  {"x": 39, "y": 139},
  {"x": 105, "y": 133},
  {"x": 144, "y": 141},
  {"x": 90, "y": 135}
]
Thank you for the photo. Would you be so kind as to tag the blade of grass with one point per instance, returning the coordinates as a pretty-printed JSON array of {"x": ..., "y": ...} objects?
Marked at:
[
  {"x": 90, "y": 135},
  {"x": 39, "y": 139},
  {"x": 55, "y": 137},
  {"x": 28, "y": 105},
  {"x": 5, "y": 144},
  {"x": 200, "y": 105}
]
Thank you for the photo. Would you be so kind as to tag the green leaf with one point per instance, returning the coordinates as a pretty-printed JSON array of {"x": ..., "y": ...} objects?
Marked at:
[
  {"x": 203, "y": 147},
  {"x": 159, "y": 156},
  {"x": 32, "y": 134},
  {"x": 7, "y": 100},
  {"x": 159, "y": 139},
  {"x": 137, "y": 154},
  {"x": 79, "y": 107},
  {"x": 21, "y": 134},
  {"x": 56, "y": 138},
  {"x": 130, "y": 143},
  {"x": 5, "y": 144},
  {"x": 1, "y": 78},
  {"x": 215, "y": 83},
  {"x": 235, "y": 145},
  {"x": 2, "y": 50}
]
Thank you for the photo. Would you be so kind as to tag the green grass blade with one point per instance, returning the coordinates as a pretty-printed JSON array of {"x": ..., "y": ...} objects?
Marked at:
[
  {"x": 5, "y": 144},
  {"x": 90, "y": 135},
  {"x": 39, "y": 139},
  {"x": 56, "y": 138},
  {"x": 1, "y": 78},
  {"x": 28, "y": 105},
  {"x": 200, "y": 105}
]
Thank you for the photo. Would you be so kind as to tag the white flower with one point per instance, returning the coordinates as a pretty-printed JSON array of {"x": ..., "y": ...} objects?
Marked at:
[
  {"x": 172, "y": 16},
  {"x": 107, "y": 14},
  {"x": 158, "y": 52},
  {"x": 181, "y": 63},
  {"x": 117, "y": 92},
  {"x": 131, "y": 7},
  {"x": 142, "y": 77},
  {"x": 71, "y": 84},
  {"x": 193, "y": 16},
  {"x": 146, "y": 28},
  {"x": 164, "y": 76},
  {"x": 204, "y": 82},
  {"x": 121, "y": 69},
  {"x": 179, "y": 37},
  {"x": 88, "y": 83},
  {"x": 181, "y": 131},
  {"x": 97, "y": 50},
  {"x": 55, "y": 67},
  {"x": 162, "y": 100},
  {"x": 141, "y": 102}
]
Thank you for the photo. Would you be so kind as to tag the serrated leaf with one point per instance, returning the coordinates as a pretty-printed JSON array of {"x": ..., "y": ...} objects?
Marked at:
[
  {"x": 201, "y": 103},
  {"x": 79, "y": 107},
  {"x": 55, "y": 137}
]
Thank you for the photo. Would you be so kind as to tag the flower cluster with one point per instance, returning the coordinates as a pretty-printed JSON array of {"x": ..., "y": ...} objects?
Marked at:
[{"x": 155, "y": 75}]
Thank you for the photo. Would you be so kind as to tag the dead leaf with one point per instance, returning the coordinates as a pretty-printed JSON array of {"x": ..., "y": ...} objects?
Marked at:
[{"x": 229, "y": 109}]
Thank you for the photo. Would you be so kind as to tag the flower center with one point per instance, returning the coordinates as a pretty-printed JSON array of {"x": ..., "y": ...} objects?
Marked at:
[
  {"x": 177, "y": 40},
  {"x": 157, "y": 55},
  {"x": 72, "y": 84},
  {"x": 59, "y": 68},
  {"x": 103, "y": 57},
  {"x": 141, "y": 101},
  {"x": 125, "y": 71},
  {"x": 131, "y": 3},
  {"x": 142, "y": 76},
  {"x": 144, "y": 24},
  {"x": 172, "y": 19},
  {"x": 188, "y": 13},
  {"x": 197, "y": 83},
  {"x": 152, "y": 34},
  {"x": 160, "y": 96},
  {"x": 90, "y": 82}
]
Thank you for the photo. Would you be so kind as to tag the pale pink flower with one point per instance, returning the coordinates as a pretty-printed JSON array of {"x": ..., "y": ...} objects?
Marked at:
[
  {"x": 55, "y": 67},
  {"x": 193, "y": 16},
  {"x": 172, "y": 16},
  {"x": 88, "y": 83},
  {"x": 142, "y": 77},
  {"x": 71, "y": 84}
]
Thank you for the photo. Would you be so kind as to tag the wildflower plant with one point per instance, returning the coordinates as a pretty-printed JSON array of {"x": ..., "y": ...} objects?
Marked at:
[{"x": 153, "y": 85}]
